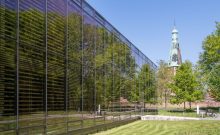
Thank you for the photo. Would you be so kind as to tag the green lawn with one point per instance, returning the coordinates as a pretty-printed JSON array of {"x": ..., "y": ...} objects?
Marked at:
[{"x": 166, "y": 128}]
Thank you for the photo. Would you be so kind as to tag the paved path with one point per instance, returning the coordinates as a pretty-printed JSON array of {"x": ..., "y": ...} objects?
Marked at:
[{"x": 174, "y": 118}]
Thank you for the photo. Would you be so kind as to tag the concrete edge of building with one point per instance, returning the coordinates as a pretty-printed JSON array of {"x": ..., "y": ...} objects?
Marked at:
[{"x": 169, "y": 118}]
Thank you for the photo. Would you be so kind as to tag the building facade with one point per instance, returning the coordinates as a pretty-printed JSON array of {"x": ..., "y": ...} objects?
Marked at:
[{"x": 64, "y": 68}]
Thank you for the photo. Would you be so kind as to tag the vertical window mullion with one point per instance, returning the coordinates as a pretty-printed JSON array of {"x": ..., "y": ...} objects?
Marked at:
[
  {"x": 17, "y": 69},
  {"x": 66, "y": 66},
  {"x": 46, "y": 68},
  {"x": 82, "y": 64}
]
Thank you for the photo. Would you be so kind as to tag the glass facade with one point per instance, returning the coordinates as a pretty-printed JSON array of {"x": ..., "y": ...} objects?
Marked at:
[{"x": 63, "y": 68}]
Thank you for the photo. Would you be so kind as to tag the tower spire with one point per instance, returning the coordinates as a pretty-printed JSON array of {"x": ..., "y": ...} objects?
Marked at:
[
  {"x": 174, "y": 22},
  {"x": 175, "y": 59}
]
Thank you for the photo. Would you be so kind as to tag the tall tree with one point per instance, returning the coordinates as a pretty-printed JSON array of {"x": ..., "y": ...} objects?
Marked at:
[
  {"x": 147, "y": 84},
  {"x": 185, "y": 86},
  {"x": 164, "y": 76},
  {"x": 214, "y": 82},
  {"x": 210, "y": 60}
]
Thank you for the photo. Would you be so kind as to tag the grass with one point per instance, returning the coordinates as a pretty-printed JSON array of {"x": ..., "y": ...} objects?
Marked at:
[{"x": 166, "y": 128}]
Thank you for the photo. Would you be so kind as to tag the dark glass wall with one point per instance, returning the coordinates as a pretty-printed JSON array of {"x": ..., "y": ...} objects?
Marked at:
[
  {"x": 63, "y": 67},
  {"x": 8, "y": 53}
]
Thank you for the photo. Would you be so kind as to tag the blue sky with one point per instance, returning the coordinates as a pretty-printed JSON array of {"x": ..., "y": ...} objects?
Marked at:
[{"x": 148, "y": 23}]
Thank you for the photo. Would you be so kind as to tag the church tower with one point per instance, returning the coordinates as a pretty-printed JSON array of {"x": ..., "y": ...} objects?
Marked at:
[{"x": 175, "y": 59}]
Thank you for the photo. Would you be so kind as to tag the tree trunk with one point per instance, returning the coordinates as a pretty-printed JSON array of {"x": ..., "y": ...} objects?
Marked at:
[
  {"x": 190, "y": 105},
  {"x": 165, "y": 98},
  {"x": 184, "y": 105}
]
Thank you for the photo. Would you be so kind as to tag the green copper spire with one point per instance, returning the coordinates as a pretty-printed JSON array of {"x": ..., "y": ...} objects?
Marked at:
[{"x": 175, "y": 59}]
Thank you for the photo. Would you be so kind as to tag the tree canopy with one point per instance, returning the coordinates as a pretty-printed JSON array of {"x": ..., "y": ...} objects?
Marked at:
[
  {"x": 164, "y": 76},
  {"x": 209, "y": 62},
  {"x": 185, "y": 86}
]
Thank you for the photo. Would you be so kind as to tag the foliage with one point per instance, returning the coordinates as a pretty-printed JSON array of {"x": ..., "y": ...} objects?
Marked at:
[
  {"x": 164, "y": 76},
  {"x": 99, "y": 68},
  {"x": 185, "y": 86},
  {"x": 214, "y": 82},
  {"x": 209, "y": 62},
  {"x": 147, "y": 84}
]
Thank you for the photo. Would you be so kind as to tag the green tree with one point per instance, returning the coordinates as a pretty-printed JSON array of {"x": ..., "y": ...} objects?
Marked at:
[
  {"x": 74, "y": 61},
  {"x": 185, "y": 86},
  {"x": 164, "y": 76},
  {"x": 147, "y": 85},
  {"x": 214, "y": 82},
  {"x": 119, "y": 73},
  {"x": 209, "y": 62}
]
